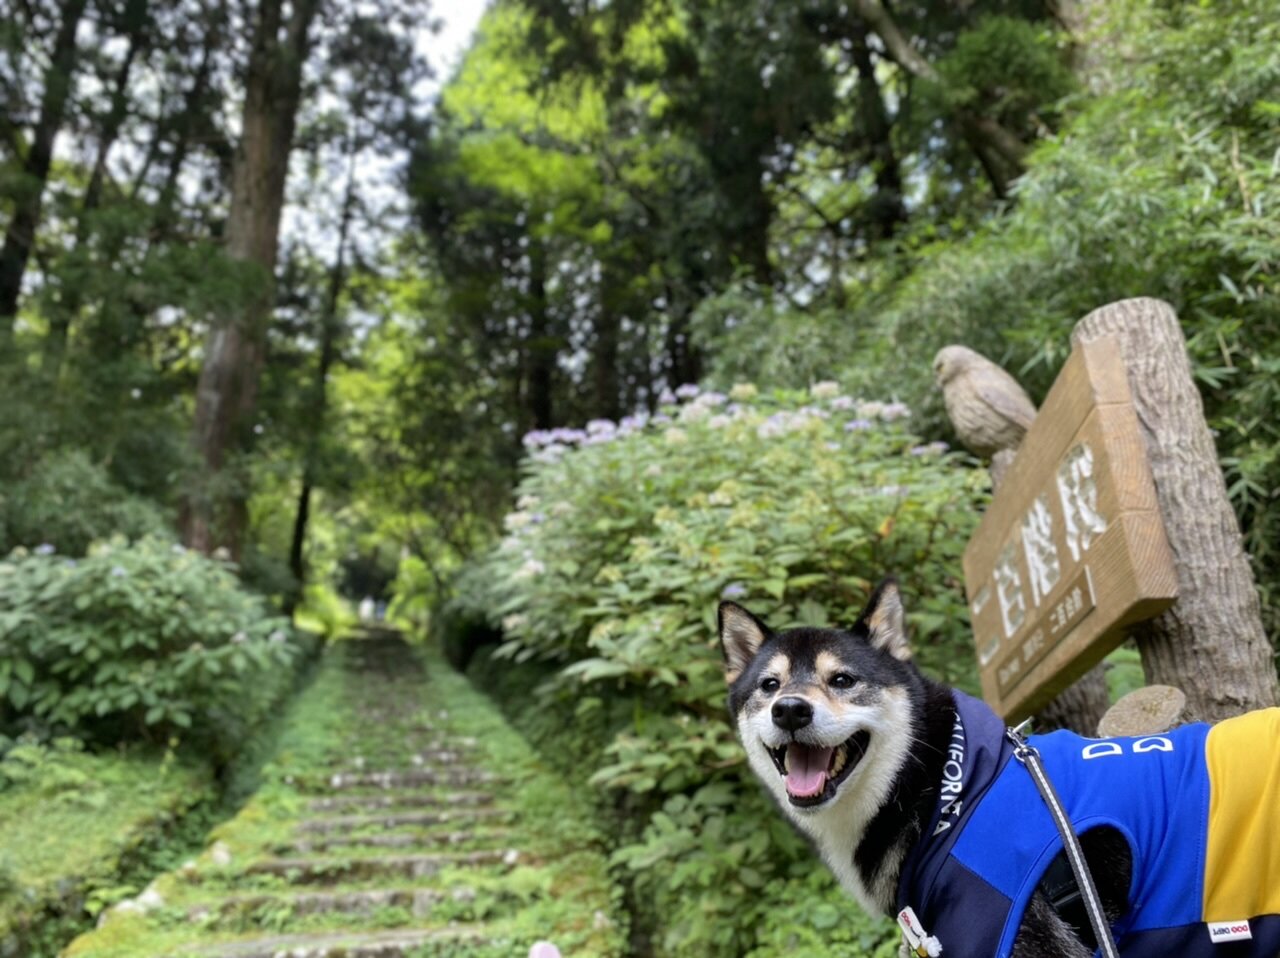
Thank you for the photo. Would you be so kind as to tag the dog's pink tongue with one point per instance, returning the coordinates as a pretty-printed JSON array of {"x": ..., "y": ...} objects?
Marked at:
[{"x": 806, "y": 770}]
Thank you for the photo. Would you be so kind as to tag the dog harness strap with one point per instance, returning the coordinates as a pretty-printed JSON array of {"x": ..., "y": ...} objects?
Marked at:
[{"x": 1030, "y": 758}]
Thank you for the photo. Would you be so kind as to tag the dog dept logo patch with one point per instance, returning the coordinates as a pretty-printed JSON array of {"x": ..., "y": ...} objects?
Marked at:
[
  {"x": 951, "y": 798},
  {"x": 1223, "y": 931}
]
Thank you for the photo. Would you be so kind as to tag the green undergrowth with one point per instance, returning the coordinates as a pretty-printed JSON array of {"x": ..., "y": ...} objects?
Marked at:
[
  {"x": 604, "y": 592},
  {"x": 80, "y": 831}
]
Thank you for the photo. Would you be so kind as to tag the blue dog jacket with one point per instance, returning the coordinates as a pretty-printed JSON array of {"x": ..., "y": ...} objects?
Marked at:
[{"x": 1206, "y": 859}]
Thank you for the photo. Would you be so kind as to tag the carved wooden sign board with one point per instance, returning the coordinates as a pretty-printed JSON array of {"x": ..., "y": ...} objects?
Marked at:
[{"x": 1072, "y": 548}]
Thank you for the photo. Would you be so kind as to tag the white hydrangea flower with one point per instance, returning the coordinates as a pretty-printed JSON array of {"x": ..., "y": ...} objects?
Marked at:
[
  {"x": 827, "y": 389},
  {"x": 516, "y": 521},
  {"x": 530, "y": 569}
]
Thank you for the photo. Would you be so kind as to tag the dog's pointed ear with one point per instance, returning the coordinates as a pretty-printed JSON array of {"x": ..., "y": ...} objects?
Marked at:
[
  {"x": 741, "y": 635},
  {"x": 884, "y": 621}
]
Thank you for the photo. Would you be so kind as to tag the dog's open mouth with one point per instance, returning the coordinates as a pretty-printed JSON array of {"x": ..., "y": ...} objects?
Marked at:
[{"x": 813, "y": 773}]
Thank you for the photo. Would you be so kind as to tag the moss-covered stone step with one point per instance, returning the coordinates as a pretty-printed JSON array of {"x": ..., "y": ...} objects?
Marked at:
[
  {"x": 400, "y": 840},
  {"x": 346, "y": 824},
  {"x": 418, "y": 902},
  {"x": 403, "y": 780},
  {"x": 321, "y": 870},
  {"x": 401, "y": 816},
  {"x": 383, "y": 944},
  {"x": 458, "y": 803}
]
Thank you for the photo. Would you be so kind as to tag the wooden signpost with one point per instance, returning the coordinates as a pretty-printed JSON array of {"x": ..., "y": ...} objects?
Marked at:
[{"x": 1072, "y": 548}]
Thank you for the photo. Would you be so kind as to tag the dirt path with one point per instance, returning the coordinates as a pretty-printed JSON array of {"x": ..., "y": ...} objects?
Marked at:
[{"x": 401, "y": 817}]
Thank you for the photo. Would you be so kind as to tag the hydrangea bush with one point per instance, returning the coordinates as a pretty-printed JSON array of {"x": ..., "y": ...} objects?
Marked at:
[
  {"x": 142, "y": 641},
  {"x": 625, "y": 537}
]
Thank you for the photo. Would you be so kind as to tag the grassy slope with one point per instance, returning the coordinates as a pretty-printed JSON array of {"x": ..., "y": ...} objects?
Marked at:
[{"x": 66, "y": 833}]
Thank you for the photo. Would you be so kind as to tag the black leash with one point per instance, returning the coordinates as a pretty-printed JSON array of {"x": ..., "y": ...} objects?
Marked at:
[{"x": 1030, "y": 757}]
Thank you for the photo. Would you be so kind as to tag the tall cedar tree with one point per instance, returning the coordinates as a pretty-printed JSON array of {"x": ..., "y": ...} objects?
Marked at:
[{"x": 214, "y": 514}]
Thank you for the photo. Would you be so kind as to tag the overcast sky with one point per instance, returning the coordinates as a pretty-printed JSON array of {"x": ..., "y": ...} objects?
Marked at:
[{"x": 445, "y": 48}]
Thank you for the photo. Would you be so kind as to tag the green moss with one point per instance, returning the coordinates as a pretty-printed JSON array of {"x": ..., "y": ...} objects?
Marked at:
[
  {"x": 559, "y": 889},
  {"x": 71, "y": 828}
]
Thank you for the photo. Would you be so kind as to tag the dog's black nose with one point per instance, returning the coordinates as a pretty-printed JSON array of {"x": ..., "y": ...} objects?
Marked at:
[{"x": 792, "y": 713}]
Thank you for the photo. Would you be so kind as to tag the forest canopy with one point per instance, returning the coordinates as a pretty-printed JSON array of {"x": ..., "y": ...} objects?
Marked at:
[{"x": 265, "y": 282}]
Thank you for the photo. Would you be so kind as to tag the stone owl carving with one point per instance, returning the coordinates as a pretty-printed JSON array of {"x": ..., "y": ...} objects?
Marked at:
[{"x": 987, "y": 407}]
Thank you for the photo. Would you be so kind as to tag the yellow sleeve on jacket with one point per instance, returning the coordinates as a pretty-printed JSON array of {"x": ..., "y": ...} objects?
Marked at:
[{"x": 1242, "y": 861}]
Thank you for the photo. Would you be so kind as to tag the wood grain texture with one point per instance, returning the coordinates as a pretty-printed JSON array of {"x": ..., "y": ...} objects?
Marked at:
[
  {"x": 1120, "y": 572},
  {"x": 1210, "y": 643},
  {"x": 1080, "y": 706}
]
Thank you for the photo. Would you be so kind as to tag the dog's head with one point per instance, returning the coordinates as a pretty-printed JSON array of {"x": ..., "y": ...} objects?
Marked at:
[{"x": 824, "y": 714}]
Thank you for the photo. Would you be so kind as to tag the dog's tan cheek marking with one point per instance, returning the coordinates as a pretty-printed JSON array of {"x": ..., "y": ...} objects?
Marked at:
[
  {"x": 896, "y": 693},
  {"x": 866, "y": 695},
  {"x": 755, "y": 703}
]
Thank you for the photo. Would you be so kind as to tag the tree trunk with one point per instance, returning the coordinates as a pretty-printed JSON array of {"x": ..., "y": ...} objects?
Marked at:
[
  {"x": 999, "y": 151},
  {"x": 541, "y": 354},
  {"x": 184, "y": 124},
  {"x": 21, "y": 234},
  {"x": 1210, "y": 643},
  {"x": 330, "y": 324},
  {"x": 604, "y": 352},
  {"x": 1078, "y": 707},
  {"x": 227, "y": 391},
  {"x": 888, "y": 212},
  {"x": 61, "y": 317}
]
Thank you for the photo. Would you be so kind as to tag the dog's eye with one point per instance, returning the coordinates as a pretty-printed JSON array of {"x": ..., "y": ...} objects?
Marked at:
[
  {"x": 770, "y": 685},
  {"x": 842, "y": 680}
]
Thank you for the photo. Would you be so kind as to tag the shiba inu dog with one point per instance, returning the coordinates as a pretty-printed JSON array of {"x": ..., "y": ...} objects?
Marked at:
[{"x": 909, "y": 792}]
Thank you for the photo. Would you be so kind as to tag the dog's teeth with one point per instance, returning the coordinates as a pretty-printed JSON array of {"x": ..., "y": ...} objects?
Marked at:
[
  {"x": 786, "y": 760},
  {"x": 838, "y": 762}
]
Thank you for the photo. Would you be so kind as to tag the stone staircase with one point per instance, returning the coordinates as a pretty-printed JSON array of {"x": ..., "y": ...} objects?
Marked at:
[{"x": 400, "y": 817}]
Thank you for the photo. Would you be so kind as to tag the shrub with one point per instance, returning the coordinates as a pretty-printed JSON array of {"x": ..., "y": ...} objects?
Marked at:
[
  {"x": 625, "y": 538},
  {"x": 69, "y": 501},
  {"x": 143, "y": 641},
  {"x": 1165, "y": 185}
]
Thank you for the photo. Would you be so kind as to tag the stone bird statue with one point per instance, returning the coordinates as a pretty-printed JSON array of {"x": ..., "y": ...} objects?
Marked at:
[{"x": 987, "y": 407}]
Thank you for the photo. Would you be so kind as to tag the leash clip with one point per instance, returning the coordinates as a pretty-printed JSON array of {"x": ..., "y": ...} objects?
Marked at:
[
  {"x": 919, "y": 943},
  {"x": 1022, "y": 749}
]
